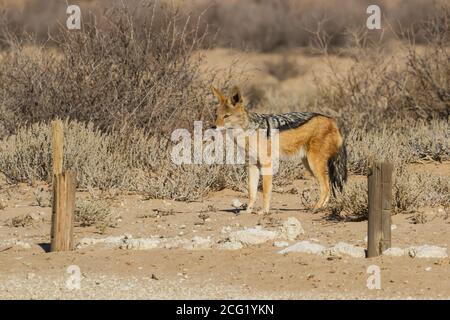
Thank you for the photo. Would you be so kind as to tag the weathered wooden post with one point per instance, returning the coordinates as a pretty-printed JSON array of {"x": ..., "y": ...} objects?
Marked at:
[
  {"x": 380, "y": 200},
  {"x": 63, "y": 195}
]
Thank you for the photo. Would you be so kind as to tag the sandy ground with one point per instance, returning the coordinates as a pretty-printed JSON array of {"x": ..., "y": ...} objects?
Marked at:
[{"x": 255, "y": 271}]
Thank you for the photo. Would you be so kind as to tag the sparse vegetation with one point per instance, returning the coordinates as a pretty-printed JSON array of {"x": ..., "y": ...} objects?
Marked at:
[
  {"x": 124, "y": 83},
  {"x": 94, "y": 212},
  {"x": 411, "y": 192}
]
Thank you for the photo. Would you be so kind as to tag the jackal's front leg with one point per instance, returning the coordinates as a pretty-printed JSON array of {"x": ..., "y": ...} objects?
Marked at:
[
  {"x": 253, "y": 179},
  {"x": 267, "y": 193}
]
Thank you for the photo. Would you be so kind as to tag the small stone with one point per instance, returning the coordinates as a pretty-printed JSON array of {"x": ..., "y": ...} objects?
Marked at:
[
  {"x": 199, "y": 243},
  {"x": 230, "y": 245},
  {"x": 427, "y": 251},
  {"x": 255, "y": 235},
  {"x": 140, "y": 244},
  {"x": 304, "y": 246},
  {"x": 281, "y": 244},
  {"x": 291, "y": 229},
  {"x": 350, "y": 250},
  {"x": 235, "y": 203},
  {"x": 394, "y": 252},
  {"x": 428, "y": 269},
  {"x": 23, "y": 245},
  {"x": 226, "y": 229}
]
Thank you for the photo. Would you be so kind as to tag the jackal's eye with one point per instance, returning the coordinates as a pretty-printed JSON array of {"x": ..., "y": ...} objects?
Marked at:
[{"x": 226, "y": 116}]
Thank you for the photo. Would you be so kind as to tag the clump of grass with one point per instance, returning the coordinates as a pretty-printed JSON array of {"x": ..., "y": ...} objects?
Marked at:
[
  {"x": 43, "y": 197},
  {"x": 415, "y": 190},
  {"x": 147, "y": 77},
  {"x": 94, "y": 212},
  {"x": 411, "y": 191},
  {"x": 22, "y": 221},
  {"x": 351, "y": 204}
]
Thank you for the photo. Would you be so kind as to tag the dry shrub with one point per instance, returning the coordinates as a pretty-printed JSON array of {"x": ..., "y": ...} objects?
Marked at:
[
  {"x": 43, "y": 197},
  {"x": 263, "y": 25},
  {"x": 411, "y": 191},
  {"x": 122, "y": 70},
  {"x": 399, "y": 142},
  {"x": 183, "y": 182},
  {"x": 380, "y": 88},
  {"x": 415, "y": 190},
  {"x": 135, "y": 161},
  {"x": 95, "y": 156},
  {"x": 270, "y": 24},
  {"x": 351, "y": 204},
  {"x": 94, "y": 212},
  {"x": 21, "y": 221}
]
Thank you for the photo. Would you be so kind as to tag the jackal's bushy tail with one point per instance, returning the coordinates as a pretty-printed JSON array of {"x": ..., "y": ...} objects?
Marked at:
[{"x": 337, "y": 169}]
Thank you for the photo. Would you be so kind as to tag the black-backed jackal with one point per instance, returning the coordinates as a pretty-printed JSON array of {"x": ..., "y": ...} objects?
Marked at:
[{"x": 312, "y": 136}]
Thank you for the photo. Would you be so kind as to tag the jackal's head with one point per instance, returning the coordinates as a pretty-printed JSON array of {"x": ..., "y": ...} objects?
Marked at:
[{"x": 231, "y": 112}]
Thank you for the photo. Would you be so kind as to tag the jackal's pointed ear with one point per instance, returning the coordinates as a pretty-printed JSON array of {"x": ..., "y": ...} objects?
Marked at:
[
  {"x": 235, "y": 96},
  {"x": 218, "y": 94}
]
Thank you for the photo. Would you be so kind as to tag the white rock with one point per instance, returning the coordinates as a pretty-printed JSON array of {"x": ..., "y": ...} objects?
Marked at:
[
  {"x": 174, "y": 243},
  {"x": 23, "y": 245},
  {"x": 281, "y": 244},
  {"x": 199, "y": 243},
  {"x": 112, "y": 240},
  {"x": 304, "y": 246},
  {"x": 230, "y": 245},
  {"x": 235, "y": 203},
  {"x": 427, "y": 251},
  {"x": 255, "y": 235},
  {"x": 84, "y": 242},
  {"x": 36, "y": 216},
  {"x": 291, "y": 229},
  {"x": 349, "y": 249},
  {"x": 225, "y": 229},
  {"x": 428, "y": 269},
  {"x": 140, "y": 244},
  {"x": 395, "y": 252}
]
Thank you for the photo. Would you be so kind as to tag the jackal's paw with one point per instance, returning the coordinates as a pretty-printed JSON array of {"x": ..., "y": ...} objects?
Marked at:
[{"x": 318, "y": 209}]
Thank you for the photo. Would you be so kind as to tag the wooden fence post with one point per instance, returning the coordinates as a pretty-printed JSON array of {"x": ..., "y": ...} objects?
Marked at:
[
  {"x": 63, "y": 195},
  {"x": 380, "y": 199},
  {"x": 62, "y": 211},
  {"x": 57, "y": 146}
]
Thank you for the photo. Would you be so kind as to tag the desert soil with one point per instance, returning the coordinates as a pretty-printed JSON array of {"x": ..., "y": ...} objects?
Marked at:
[{"x": 254, "y": 271}]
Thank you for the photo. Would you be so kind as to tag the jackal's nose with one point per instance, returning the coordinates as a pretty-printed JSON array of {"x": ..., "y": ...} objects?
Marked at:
[{"x": 214, "y": 127}]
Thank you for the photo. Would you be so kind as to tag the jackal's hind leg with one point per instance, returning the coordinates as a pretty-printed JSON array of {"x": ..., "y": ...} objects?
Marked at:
[{"x": 318, "y": 165}]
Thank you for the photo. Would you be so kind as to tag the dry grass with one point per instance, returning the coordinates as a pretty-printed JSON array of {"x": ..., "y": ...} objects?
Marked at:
[
  {"x": 253, "y": 24},
  {"x": 95, "y": 212},
  {"x": 411, "y": 192},
  {"x": 121, "y": 72},
  {"x": 125, "y": 83}
]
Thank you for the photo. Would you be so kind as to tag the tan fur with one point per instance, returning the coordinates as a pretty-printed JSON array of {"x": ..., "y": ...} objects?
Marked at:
[{"x": 315, "y": 142}]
